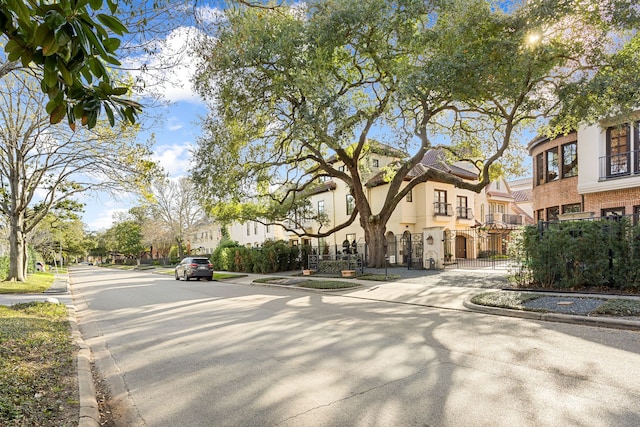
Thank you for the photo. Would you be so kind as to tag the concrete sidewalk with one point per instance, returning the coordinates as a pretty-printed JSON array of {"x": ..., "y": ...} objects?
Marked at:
[{"x": 453, "y": 290}]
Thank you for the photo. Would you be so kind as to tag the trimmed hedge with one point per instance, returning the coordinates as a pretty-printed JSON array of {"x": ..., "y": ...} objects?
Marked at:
[
  {"x": 587, "y": 253},
  {"x": 271, "y": 257}
]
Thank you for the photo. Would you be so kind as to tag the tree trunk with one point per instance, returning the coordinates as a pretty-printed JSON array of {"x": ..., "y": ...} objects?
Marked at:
[
  {"x": 17, "y": 250},
  {"x": 374, "y": 234}
]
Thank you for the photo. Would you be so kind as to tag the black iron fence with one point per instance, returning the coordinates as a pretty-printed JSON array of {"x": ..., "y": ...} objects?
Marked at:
[
  {"x": 483, "y": 248},
  {"x": 596, "y": 252}
]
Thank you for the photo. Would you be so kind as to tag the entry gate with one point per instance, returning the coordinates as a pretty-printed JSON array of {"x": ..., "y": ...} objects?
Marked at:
[
  {"x": 412, "y": 245},
  {"x": 478, "y": 248}
]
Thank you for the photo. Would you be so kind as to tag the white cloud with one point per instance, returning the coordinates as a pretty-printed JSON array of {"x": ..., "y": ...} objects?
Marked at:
[
  {"x": 175, "y": 159},
  {"x": 174, "y": 124},
  {"x": 103, "y": 219},
  {"x": 167, "y": 74}
]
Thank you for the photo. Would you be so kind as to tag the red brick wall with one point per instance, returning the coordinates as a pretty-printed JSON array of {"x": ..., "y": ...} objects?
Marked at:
[
  {"x": 555, "y": 193},
  {"x": 628, "y": 197}
]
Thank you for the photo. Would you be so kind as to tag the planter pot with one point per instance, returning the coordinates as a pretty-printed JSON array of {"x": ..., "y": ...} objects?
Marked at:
[
  {"x": 348, "y": 273},
  {"x": 308, "y": 272}
]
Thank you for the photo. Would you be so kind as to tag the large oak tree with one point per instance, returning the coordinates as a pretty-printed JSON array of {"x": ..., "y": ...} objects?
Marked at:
[{"x": 290, "y": 87}]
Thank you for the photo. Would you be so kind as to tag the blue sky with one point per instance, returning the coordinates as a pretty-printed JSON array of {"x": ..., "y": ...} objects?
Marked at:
[{"x": 175, "y": 134}]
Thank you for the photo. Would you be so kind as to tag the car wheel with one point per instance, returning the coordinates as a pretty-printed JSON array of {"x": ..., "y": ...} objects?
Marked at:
[
  {"x": 186, "y": 277},
  {"x": 177, "y": 277}
]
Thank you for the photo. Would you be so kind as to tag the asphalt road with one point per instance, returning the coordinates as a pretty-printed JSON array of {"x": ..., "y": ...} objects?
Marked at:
[{"x": 225, "y": 354}]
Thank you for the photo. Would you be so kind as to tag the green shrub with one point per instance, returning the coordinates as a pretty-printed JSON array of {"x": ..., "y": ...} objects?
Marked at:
[
  {"x": 271, "y": 257},
  {"x": 582, "y": 253}
]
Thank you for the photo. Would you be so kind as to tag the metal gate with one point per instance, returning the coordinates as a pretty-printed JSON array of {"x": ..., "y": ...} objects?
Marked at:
[
  {"x": 412, "y": 246},
  {"x": 486, "y": 248}
]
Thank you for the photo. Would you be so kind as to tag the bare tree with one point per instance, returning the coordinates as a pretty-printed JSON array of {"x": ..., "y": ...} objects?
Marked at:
[
  {"x": 176, "y": 208},
  {"x": 43, "y": 166}
]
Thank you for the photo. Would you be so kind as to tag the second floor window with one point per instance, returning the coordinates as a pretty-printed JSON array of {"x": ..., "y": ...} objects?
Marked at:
[
  {"x": 351, "y": 204},
  {"x": 376, "y": 163},
  {"x": 618, "y": 145},
  {"x": 552, "y": 213},
  {"x": 255, "y": 228},
  {"x": 248, "y": 229},
  {"x": 320, "y": 206},
  {"x": 552, "y": 165},
  {"x": 461, "y": 207},
  {"x": 570, "y": 160},
  {"x": 440, "y": 202},
  {"x": 539, "y": 169},
  {"x": 410, "y": 196}
]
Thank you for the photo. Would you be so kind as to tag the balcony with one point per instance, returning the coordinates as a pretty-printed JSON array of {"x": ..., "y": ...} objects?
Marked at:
[
  {"x": 504, "y": 220},
  {"x": 464, "y": 213},
  {"x": 619, "y": 165},
  {"x": 304, "y": 224},
  {"x": 442, "y": 209}
]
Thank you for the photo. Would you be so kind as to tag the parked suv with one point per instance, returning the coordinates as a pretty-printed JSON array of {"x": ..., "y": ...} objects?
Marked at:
[{"x": 194, "y": 267}]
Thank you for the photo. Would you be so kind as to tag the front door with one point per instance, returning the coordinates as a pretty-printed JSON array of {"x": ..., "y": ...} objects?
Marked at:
[{"x": 461, "y": 246}]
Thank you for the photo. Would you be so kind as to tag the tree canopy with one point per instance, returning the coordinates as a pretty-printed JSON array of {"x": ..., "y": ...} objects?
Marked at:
[
  {"x": 291, "y": 87},
  {"x": 71, "y": 44}
]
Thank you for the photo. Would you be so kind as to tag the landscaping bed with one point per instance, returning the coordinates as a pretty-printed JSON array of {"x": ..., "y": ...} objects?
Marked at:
[{"x": 554, "y": 303}]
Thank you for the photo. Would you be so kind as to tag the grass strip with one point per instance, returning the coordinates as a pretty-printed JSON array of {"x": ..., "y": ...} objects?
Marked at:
[
  {"x": 36, "y": 283},
  {"x": 38, "y": 382},
  {"x": 327, "y": 284}
]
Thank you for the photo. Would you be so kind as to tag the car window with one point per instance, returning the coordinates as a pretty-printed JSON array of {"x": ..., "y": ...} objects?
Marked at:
[{"x": 201, "y": 261}]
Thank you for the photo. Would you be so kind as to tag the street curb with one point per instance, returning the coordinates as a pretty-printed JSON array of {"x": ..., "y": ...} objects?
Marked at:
[
  {"x": 602, "y": 322},
  {"x": 89, "y": 413}
]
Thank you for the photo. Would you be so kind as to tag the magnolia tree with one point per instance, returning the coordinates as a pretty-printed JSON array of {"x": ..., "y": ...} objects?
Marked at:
[{"x": 292, "y": 87}]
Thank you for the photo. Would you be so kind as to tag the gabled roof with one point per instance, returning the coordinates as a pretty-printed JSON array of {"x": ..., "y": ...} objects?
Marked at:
[
  {"x": 436, "y": 159},
  {"x": 522, "y": 196},
  {"x": 378, "y": 148},
  {"x": 321, "y": 188},
  {"x": 433, "y": 159},
  {"x": 500, "y": 194}
]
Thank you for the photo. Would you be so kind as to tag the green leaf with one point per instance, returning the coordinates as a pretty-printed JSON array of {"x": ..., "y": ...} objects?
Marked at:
[
  {"x": 49, "y": 45},
  {"x": 82, "y": 37},
  {"x": 19, "y": 7},
  {"x": 40, "y": 34},
  {"x": 113, "y": 6},
  {"x": 95, "y": 4},
  {"x": 54, "y": 19},
  {"x": 112, "y": 44},
  {"x": 97, "y": 44},
  {"x": 51, "y": 105},
  {"x": 112, "y": 60},
  {"x": 64, "y": 72},
  {"x": 109, "y": 111},
  {"x": 112, "y": 23}
]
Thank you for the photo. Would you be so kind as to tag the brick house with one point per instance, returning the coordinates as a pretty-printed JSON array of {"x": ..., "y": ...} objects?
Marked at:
[{"x": 607, "y": 156}]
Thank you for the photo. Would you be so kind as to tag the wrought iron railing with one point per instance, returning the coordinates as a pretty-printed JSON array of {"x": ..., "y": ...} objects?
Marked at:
[
  {"x": 619, "y": 165},
  {"x": 464, "y": 213},
  {"x": 441, "y": 208}
]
